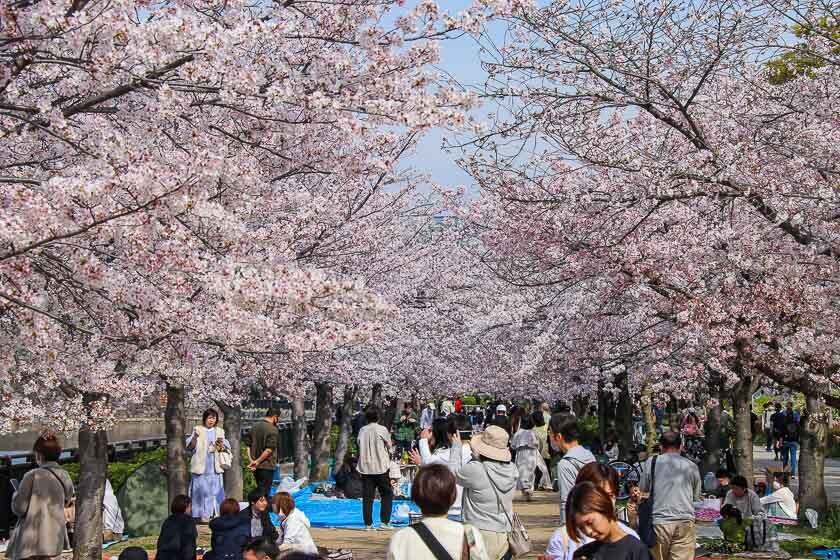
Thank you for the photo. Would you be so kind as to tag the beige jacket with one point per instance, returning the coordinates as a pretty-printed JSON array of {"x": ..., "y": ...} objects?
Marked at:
[
  {"x": 202, "y": 448},
  {"x": 39, "y": 504}
]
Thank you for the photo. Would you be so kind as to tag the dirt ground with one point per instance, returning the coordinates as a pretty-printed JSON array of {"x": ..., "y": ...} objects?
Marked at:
[{"x": 539, "y": 516}]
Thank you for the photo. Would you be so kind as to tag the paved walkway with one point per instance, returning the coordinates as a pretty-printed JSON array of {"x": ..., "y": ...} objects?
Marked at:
[{"x": 763, "y": 459}]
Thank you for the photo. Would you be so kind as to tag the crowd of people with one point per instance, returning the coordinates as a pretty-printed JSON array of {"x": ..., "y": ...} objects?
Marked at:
[{"x": 471, "y": 465}]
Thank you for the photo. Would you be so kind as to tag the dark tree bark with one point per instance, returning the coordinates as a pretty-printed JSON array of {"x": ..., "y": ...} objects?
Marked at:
[
  {"x": 320, "y": 469},
  {"x": 93, "y": 465},
  {"x": 175, "y": 421},
  {"x": 712, "y": 432},
  {"x": 393, "y": 410},
  {"x": 300, "y": 437},
  {"x": 580, "y": 406},
  {"x": 814, "y": 441},
  {"x": 234, "y": 483},
  {"x": 624, "y": 416},
  {"x": 743, "y": 446},
  {"x": 604, "y": 403},
  {"x": 345, "y": 426},
  {"x": 376, "y": 396}
]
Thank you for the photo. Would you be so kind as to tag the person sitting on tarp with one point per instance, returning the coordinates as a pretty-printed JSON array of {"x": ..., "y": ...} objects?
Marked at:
[
  {"x": 348, "y": 480},
  {"x": 256, "y": 515},
  {"x": 781, "y": 502}
]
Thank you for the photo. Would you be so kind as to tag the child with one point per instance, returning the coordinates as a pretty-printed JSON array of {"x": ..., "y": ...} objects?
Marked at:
[
  {"x": 633, "y": 502},
  {"x": 611, "y": 448},
  {"x": 732, "y": 527}
]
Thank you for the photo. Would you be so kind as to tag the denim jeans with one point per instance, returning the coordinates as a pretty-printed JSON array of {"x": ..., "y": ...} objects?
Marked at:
[{"x": 789, "y": 455}]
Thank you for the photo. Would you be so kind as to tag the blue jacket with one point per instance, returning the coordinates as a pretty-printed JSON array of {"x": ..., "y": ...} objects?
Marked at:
[{"x": 230, "y": 535}]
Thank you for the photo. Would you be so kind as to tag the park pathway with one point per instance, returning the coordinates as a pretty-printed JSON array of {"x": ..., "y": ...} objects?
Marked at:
[
  {"x": 763, "y": 459},
  {"x": 539, "y": 516}
]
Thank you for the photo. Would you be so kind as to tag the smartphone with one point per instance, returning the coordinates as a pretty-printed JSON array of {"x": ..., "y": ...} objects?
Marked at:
[{"x": 465, "y": 434}]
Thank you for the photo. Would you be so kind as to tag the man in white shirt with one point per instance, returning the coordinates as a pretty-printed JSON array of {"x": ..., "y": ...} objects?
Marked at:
[{"x": 374, "y": 462}]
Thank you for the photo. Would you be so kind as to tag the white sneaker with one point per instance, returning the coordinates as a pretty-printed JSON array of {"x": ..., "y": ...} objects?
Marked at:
[
  {"x": 370, "y": 528},
  {"x": 388, "y": 526}
]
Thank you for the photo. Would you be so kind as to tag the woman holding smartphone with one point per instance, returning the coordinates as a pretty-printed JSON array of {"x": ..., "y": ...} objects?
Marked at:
[{"x": 206, "y": 443}]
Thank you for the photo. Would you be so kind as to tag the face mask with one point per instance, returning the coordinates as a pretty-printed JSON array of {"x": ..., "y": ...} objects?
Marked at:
[
  {"x": 776, "y": 485},
  {"x": 554, "y": 445}
]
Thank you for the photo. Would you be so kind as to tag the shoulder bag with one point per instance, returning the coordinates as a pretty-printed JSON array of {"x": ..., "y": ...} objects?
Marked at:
[
  {"x": 518, "y": 539},
  {"x": 646, "y": 532},
  {"x": 434, "y": 545}
]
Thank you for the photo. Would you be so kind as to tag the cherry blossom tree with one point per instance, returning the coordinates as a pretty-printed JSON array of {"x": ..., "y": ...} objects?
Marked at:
[{"x": 666, "y": 206}]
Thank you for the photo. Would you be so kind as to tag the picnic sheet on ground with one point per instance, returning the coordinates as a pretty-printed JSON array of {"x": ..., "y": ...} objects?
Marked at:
[
  {"x": 337, "y": 512},
  {"x": 709, "y": 510}
]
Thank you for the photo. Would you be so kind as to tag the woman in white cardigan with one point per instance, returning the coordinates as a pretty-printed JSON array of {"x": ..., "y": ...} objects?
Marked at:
[
  {"x": 206, "y": 487},
  {"x": 294, "y": 532},
  {"x": 434, "y": 450}
]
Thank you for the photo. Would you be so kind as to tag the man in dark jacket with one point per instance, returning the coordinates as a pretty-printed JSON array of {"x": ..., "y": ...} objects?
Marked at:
[
  {"x": 256, "y": 515},
  {"x": 178, "y": 532}
]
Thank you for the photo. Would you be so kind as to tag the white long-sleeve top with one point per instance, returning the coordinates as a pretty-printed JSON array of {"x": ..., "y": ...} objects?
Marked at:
[
  {"x": 784, "y": 497},
  {"x": 441, "y": 456},
  {"x": 295, "y": 531}
]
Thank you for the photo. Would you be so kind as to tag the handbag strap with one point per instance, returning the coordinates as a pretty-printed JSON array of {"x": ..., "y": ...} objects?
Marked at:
[
  {"x": 431, "y": 542},
  {"x": 498, "y": 498},
  {"x": 63, "y": 488}
]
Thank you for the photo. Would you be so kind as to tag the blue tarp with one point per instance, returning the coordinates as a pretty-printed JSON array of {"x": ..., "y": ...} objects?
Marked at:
[{"x": 336, "y": 512}]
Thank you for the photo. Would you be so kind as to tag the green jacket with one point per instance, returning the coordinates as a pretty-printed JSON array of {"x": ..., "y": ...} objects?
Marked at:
[{"x": 407, "y": 431}]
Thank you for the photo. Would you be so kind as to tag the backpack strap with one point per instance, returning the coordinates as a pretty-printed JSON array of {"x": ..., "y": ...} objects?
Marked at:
[
  {"x": 431, "y": 542},
  {"x": 652, "y": 479}
]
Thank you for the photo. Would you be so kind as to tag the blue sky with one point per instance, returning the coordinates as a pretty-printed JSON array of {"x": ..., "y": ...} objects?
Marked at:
[{"x": 459, "y": 58}]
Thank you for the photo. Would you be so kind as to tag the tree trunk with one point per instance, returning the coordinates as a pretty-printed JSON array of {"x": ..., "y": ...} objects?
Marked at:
[
  {"x": 743, "y": 447},
  {"x": 93, "y": 465},
  {"x": 376, "y": 396},
  {"x": 175, "y": 422},
  {"x": 345, "y": 426},
  {"x": 712, "y": 432},
  {"x": 624, "y": 416},
  {"x": 393, "y": 411},
  {"x": 814, "y": 439},
  {"x": 300, "y": 436},
  {"x": 603, "y": 415},
  {"x": 650, "y": 419},
  {"x": 580, "y": 406},
  {"x": 320, "y": 469},
  {"x": 234, "y": 483}
]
